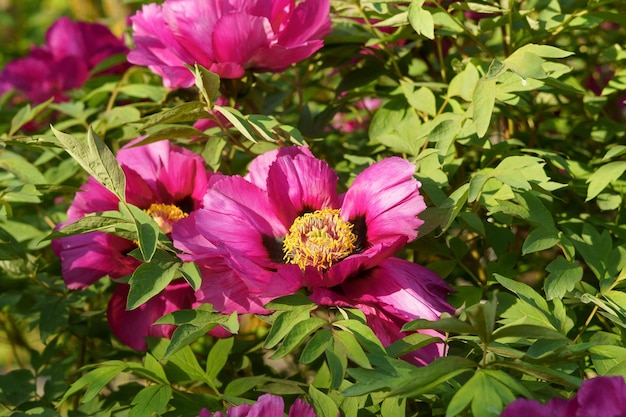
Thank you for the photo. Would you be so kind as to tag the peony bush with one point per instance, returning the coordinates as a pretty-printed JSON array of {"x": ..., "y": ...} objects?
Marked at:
[{"x": 312, "y": 208}]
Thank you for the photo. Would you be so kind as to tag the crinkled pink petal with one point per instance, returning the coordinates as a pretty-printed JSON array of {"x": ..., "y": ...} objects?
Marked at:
[
  {"x": 387, "y": 195},
  {"x": 258, "y": 170},
  {"x": 239, "y": 214},
  {"x": 301, "y": 409},
  {"x": 192, "y": 23},
  {"x": 612, "y": 391},
  {"x": 238, "y": 38},
  {"x": 301, "y": 184},
  {"x": 267, "y": 405},
  {"x": 88, "y": 257},
  {"x": 403, "y": 288},
  {"x": 308, "y": 21},
  {"x": 133, "y": 326}
]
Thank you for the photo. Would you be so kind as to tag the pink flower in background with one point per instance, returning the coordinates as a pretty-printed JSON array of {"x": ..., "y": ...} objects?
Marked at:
[
  {"x": 168, "y": 182},
  {"x": 227, "y": 37},
  {"x": 359, "y": 118},
  {"x": 71, "y": 52},
  {"x": 267, "y": 405},
  {"x": 601, "y": 396},
  {"x": 285, "y": 227}
]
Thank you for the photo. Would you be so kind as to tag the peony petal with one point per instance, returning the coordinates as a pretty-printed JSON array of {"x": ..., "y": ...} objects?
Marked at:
[
  {"x": 309, "y": 20},
  {"x": 386, "y": 195},
  {"x": 301, "y": 409},
  {"x": 301, "y": 184},
  {"x": 237, "y": 38},
  {"x": 88, "y": 257},
  {"x": 612, "y": 391},
  {"x": 133, "y": 326},
  {"x": 238, "y": 214},
  {"x": 258, "y": 170}
]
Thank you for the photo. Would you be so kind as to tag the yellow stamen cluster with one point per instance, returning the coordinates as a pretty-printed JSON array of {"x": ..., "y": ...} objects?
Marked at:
[
  {"x": 165, "y": 215},
  {"x": 319, "y": 239}
]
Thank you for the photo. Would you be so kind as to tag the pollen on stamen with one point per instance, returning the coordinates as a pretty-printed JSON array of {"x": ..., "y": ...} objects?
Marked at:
[
  {"x": 319, "y": 239},
  {"x": 165, "y": 215}
]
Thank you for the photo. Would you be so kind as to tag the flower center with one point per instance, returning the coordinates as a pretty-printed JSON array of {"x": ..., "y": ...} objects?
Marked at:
[
  {"x": 319, "y": 239},
  {"x": 165, "y": 215}
]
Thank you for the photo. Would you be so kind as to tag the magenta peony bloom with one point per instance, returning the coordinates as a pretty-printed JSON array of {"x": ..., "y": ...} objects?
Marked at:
[
  {"x": 71, "y": 52},
  {"x": 227, "y": 37},
  {"x": 285, "y": 227},
  {"x": 166, "y": 181},
  {"x": 267, "y": 405},
  {"x": 601, "y": 396}
]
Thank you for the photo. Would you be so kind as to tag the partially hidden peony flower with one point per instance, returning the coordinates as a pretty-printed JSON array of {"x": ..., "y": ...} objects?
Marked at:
[
  {"x": 65, "y": 62},
  {"x": 227, "y": 37},
  {"x": 600, "y": 396},
  {"x": 286, "y": 227},
  {"x": 267, "y": 405},
  {"x": 358, "y": 119},
  {"x": 168, "y": 182}
]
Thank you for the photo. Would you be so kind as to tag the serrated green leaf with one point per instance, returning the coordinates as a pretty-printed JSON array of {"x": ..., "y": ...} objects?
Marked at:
[{"x": 97, "y": 159}]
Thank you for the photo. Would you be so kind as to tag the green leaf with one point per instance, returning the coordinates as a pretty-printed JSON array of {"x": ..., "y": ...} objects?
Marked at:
[
  {"x": 54, "y": 315},
  {"x": 316, "y": 346},
  {"x": 446, "y": 325},
  {"x": 185, "y": 112},
  {"x": 21, "y": 168},
  {"x": 97, "y": 159},
  {"x": 421, "y": 20},
  {"x": 26, "y": 114},
  {"x": 207, "y": 82},
  {"x": 148, "y": 280},
  {"x": 96, "y": 379},
  {"x": 421, "y": 99},
  {"x": 477, "y": 182},
  {"x": 486, "y": 395},
  {"x": 464, "y": 83},
  {"x": 605, "y": 358},
  {"x": 191, "y": 273},
  {"x": 410, "y": 344},
  {"x": 243, "y": 385},
  {"x": 285, "y": 322},
  {"x": 562, "y": 278},
  {"x": 363, "y": 333},
  {"x": 604, "y": 176},
  {"x": 540, "y": 239},
  {"x": 297, "y": 334},
  {"x": 484, "y": 99},
  {"x": 147, "y": 230},
  {"x": 151, "y": 400},
  {"x": 528, "y": 331},
  {"x": 337, "y": 364},
  {"x": 218, "y": 356},
  {"x": 90, "y": 224},
  {"x": 348, "y": 343},
  {"x": 324, "y": 406}
]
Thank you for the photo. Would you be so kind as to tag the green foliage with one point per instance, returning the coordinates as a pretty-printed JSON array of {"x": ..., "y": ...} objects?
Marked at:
[{"x": 513, "y": 114}]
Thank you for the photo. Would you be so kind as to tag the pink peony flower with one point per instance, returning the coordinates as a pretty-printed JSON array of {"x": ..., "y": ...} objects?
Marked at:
[
  {"x": 285, "y": 227},
  {"x": 601, "y": 396},
  {"x": 166, "y": 181},
  {"x": 360, "y": 117},
  {"x": 227, "y": 37},
  {"x": 267, "y": 405},
  {"x": 71, "y": 52}
]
